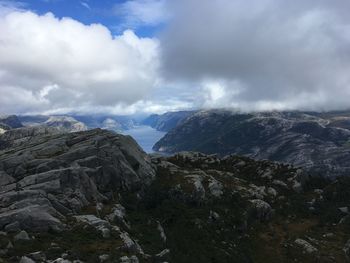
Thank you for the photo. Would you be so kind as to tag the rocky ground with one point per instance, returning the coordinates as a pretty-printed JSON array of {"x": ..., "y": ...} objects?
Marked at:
[{"x": 95, "y": 196}]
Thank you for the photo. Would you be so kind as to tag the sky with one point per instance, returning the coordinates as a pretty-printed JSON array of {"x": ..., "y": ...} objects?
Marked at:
[{"x": 152, "y": 56}]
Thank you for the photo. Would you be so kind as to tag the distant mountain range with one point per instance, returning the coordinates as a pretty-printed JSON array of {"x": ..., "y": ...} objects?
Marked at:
[
  {"x": 161, "y": 122},
  {"x": 90, "y": 121},
  {"x": 110, "y": 122},
  {"x": 8, "y": 122},
  {"x": 167, "y": 121},
  {"x": 319, "y": 142}
]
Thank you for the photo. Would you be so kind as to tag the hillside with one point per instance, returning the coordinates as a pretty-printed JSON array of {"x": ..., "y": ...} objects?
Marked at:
[
  {"x": 167, "y": 121},
  {"x": 95, "y": 196},
  {"x": 319, "y": 144},
  {"x": 8, "y": 122}
]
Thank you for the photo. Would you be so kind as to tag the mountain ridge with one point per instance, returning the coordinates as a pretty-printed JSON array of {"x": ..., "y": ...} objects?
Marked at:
[{"x": 302, "y": 139}]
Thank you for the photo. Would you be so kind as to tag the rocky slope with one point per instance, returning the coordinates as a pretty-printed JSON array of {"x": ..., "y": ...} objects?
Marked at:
[
  {"x": 95, "y": 196},
  {"x": 16, "y": 137},
  {"x": 8, "y": 122},
  {"x": 48, "y": 181},
  {"x": 318, "y": 143},
  {"x": 166, "y": 121}
]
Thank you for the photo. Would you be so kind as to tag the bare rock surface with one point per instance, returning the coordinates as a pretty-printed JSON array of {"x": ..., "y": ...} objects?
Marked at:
[
  {"x": 95, "y": 196},
  {"x": 51, "y": 176}
]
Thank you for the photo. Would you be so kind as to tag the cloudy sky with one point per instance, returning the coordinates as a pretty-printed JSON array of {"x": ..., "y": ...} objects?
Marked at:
[{"x": 124, "y": 57}]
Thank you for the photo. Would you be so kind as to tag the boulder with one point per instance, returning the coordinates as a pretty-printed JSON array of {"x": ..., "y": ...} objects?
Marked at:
[
  {"x": 130, "y": 245},
  {"x": 261, "y": 210},
  {"x": 307, "y": 247},
  {"x": 26, "y": 260},
  {"x": 104, "y": 258},
  {"x": 215, "y": 187},
  {"x": 126, "y": 259},
  {"x": 99, "y": 224},
  {"x": 23, "y": 235},
  {"x": 118, "y": 216}
]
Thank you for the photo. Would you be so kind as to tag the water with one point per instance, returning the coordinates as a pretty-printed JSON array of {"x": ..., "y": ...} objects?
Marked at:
[{"x": 145, "y": 136}]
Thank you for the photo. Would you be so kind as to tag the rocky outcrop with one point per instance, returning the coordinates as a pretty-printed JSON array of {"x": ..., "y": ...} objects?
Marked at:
[
  {"x": 16, "y": 137},
  {"x": 261, "y": 210},
  {"x": 306, "y": 246},
  {"x": 50, "y": 177}
]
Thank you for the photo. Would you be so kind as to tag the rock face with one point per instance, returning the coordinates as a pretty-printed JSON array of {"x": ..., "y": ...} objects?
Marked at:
[
  {"x": 49, "y": 177},
  {"x": 16, "y": 137},
  {"x": 166, "y": 121},
  {"x": 316, "y": 142}
]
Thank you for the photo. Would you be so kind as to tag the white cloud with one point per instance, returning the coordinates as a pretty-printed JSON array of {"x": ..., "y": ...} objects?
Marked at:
[
  {"x": 50, "y": 64},
  {"x": 219, "y": 93},
  {"x": 7, "y": 6},
  {"x": 141, "y": 106},
  {"x": 86, "y": 5},
  {"x": 260, "y": 55}
]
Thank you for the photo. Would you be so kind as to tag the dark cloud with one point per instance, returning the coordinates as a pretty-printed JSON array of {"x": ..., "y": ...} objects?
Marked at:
[{"x": 262, "y": 53}]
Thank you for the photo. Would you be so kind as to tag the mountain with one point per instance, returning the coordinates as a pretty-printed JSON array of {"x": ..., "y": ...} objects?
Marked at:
[
  {"x": 111, "y": 122},
  {"x": 33, "y": 120},
  {"x": 65, "y": 123},
  {"x": 8, "y": 122},
  {"x": 318, "y": 143},
  {"x": 166, "y": 121},
  {"x": 117, "y": 123},
  {"x": 95, "y": 196}
]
